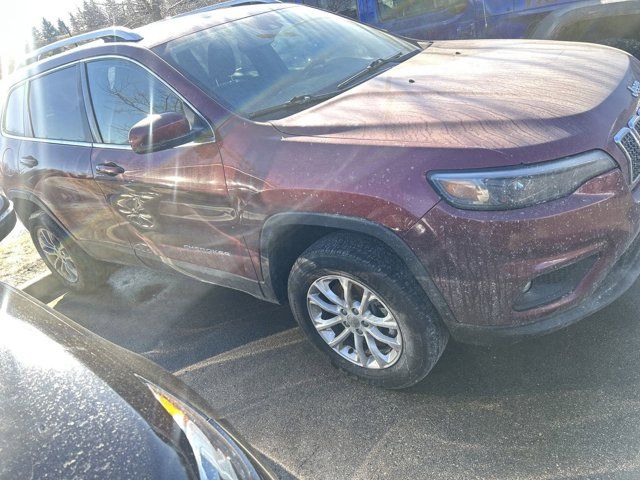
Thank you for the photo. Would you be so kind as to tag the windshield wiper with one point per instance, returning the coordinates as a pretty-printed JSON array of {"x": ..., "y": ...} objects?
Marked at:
[
  {"x": 375, "y": 65},
  {"x": 295, "y": 103},
  {"x": 306, "y": 100}
]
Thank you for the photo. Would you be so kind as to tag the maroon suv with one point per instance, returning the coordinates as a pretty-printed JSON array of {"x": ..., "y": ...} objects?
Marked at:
[{"x": 394, "y": 193}]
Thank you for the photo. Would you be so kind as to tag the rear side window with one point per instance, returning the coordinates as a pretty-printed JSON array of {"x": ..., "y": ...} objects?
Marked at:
[
  {"x": 124, "y": 93},
  {"x": 392, "y": 9},
  {"x": 56, "y": 108},
  {"x": 13, "y": 120}
]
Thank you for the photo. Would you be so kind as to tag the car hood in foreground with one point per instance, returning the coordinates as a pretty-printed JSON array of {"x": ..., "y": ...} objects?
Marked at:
[
  {"x": 73, "y": 405},
  {"x": 60, "y": 419},
  {"x": 492, "y": 94}
]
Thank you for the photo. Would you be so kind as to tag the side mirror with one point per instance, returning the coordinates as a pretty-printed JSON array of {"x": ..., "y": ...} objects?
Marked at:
[{"x": 161, "y": 132}]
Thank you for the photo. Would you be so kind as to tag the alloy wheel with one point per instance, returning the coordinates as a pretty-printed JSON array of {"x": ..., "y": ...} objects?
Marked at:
[
  {"x": 57, "y": 255},
  {"x": 354, "y": 321}
]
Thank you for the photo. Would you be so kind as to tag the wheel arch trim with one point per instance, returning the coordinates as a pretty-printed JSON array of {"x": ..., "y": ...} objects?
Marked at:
[
  {"x": 16, "y": 194},
  {"x": 388, "y": 237}
]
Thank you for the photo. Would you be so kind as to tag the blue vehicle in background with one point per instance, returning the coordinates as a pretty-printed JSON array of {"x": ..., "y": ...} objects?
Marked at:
[{"x": 611, "y": 22}]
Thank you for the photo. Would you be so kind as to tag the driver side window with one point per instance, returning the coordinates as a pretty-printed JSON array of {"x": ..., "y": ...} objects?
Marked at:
[{"x": 123, "y": 93}]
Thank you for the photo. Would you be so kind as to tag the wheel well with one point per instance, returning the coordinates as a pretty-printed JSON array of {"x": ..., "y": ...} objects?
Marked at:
[
  {"x": 287, "y": 244},
  {"x": 24, "y": 209},
  {"x": 286, "y": 235},
  {"x": 603, "y": 28}
]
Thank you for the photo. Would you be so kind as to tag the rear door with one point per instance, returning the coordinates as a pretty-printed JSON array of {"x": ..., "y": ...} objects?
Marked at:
[{"x": 174, "y": 201}]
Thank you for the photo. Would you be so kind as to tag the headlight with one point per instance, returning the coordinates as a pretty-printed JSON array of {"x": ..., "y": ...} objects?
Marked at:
[
  {"x": 517, "y": 187},
  {"x": 216, "y": 454}
]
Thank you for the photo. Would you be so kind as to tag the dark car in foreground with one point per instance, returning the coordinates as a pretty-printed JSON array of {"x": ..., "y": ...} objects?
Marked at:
[
  {"x": 394, "y": 193},
  {"x": 73, "y": 405},
  {"x": 7, "y": 217}
]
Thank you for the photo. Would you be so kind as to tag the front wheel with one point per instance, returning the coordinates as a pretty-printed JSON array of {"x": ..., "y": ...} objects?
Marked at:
[{"x": 356, "y": 302}]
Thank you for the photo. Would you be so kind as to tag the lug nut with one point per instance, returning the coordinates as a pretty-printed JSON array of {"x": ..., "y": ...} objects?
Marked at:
[
  {"x": 354, "y": 311},
  {"x": 343, "y": 311}
]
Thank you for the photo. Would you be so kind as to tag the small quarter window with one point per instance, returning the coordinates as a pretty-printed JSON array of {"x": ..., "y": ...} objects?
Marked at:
[
  {"x": 56, "y": 107},
  {"x": 14, "y": 113},
  {"x": 123, "y": 93}
]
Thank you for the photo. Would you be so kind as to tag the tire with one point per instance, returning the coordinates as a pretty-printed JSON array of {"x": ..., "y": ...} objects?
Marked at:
[
  {"x": 629, "y": 45},
  {"x": 89, "y": 273},
  {"x": 367, "y": 263}
]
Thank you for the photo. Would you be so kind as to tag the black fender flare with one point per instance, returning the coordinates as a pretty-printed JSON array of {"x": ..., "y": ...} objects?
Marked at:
[
  {"x": 350, "y": 224},
  {"x": 7, "y": 217},
  {"x": 550, "y": 27},
  {"x": 16, "y": 194}
]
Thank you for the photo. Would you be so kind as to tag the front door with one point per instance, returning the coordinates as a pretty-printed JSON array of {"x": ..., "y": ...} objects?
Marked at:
[{"x": 174, "y": 201}]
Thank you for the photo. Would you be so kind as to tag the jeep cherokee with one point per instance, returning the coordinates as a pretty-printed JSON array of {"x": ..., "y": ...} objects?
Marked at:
[{"x": 395, "y": 193}]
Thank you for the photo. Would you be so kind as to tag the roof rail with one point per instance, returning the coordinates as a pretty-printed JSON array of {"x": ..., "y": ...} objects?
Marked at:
[
  {"x": 113, "y": 34},
  {"x": 228, "y": 3}
]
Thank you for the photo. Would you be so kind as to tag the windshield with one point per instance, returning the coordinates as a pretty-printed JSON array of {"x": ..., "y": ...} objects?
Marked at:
[{"x": 257, "y": 62}]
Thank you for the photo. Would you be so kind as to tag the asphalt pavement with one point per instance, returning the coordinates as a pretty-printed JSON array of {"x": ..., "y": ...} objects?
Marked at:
[{"x": 562, "y": 406}]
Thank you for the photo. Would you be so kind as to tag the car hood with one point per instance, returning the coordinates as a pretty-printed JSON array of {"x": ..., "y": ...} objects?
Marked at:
[{"x": 492, "y": 94}]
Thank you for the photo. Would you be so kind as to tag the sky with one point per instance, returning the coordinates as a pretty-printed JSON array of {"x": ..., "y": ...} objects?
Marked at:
[{"x": 17, "y": 17}]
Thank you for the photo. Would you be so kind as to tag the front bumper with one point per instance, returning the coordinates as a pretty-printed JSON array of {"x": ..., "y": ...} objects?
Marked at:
[
  {"x": 621, "y": 277},
  {"x": 7, "y": 217},
  {"x": 482, "y": 261}
]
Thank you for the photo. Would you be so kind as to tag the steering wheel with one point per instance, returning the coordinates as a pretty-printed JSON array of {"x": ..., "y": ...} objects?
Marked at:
[
  {"x": 319, "y": 63},
  {"x": 337, "y": 63}
]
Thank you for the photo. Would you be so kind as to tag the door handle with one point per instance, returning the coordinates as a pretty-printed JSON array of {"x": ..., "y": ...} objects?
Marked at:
[
  {"x": 29, "y": 161},
  {"x": 110, "y": 169}
]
